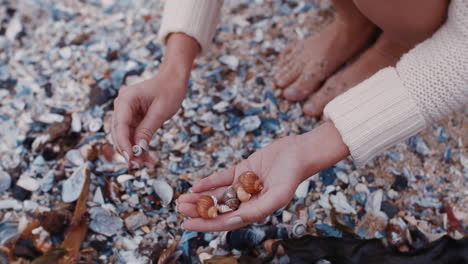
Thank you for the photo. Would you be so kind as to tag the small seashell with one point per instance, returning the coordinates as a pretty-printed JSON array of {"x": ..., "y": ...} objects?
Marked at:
[
  {"x": 250, "y": 182},
  {"x": 299, "y": 229},
  {"x": 95, "y": 125},
  {"x": 230, "y": 193},
  {"x": 230, "y": 198},
  {"x": 206, "y": 207},
  {"x": 242, "y": 195},
  {"x": 233, "y": 203},
  {"x": 137, "y": 151},
  {"x": 223, "y": 208}
]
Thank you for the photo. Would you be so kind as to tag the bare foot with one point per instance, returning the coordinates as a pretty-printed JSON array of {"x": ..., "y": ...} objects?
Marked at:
[
  {"x": 383, "y": 53},
  {"x": 305, "y": 65}
]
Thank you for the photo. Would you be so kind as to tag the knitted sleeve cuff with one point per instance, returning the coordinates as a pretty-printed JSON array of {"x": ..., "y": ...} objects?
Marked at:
[
  {"x": 196, "y": 18},
  {"x": 375, "y": 115}
]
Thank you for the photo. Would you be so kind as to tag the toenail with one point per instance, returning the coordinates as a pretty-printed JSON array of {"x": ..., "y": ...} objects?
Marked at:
[
  {"x": 309, "y": 108},
  {"x": 291, "y": 93}
]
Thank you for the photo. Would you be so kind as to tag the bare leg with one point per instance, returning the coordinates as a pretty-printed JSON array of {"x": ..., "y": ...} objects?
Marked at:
[
  {"x": 303, "y": 67},
  {"x": 404, "y": 24}
]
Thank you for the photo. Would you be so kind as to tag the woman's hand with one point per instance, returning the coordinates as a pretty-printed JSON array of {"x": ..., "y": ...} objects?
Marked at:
[
  {"x": 282, "y": 166},
  {"x": 141, "y": 109}
]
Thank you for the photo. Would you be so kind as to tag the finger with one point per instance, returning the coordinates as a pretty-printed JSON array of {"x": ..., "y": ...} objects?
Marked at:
[
  {"x": 144, "y": 160},
  {"x": 193, "y": 197},
  {"x": 219, "y": 179},
  {"x": 122, "y": 128},
  {"x": 151, "y": 122},
  {"x": 188, "y": 209}
]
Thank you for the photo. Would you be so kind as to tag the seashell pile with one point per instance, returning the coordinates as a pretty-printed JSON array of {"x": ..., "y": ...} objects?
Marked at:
[{"x": 249, "y": 184}]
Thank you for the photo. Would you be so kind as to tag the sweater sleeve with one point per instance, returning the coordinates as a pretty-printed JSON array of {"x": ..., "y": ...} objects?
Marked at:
[
  {"x": 196, "y": 18},
  {"x": 429, "y": 82}
]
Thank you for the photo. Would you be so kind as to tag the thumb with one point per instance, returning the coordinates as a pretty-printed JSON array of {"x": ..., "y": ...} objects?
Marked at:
[{"x": 152, "y": 121}]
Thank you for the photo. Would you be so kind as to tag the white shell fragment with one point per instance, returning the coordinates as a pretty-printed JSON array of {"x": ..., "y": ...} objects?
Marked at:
[
  {"x": 125, "y": 177},
  {"x": 72, "y": 187},
  {"x": 76, "y": 122},
  {"x": 28, "y": 183},
  {"x": 98, "y": 197},
  {"x": 340, "y": 203},
  {"x": 164, "y": 191},
  {"x": 223, "y": 208},
  {"x": 231, "y": 61},
  {"x": 303, "y": 189}
]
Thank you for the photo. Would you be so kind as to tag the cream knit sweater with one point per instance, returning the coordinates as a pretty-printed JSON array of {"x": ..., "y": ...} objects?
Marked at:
[{"x": 428, "y": 82}]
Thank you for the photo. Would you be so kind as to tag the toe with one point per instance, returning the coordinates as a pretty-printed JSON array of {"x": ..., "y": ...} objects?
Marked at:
[
  {"x": 306, "y": 84},
  {"x": 316, "y": 103},
  {"x": 289, "y": 73},
  {"x": 287, "y": 53}
]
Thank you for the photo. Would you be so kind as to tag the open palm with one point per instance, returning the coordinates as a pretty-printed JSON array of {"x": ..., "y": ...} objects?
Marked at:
[{"x": 281, "y": 169}]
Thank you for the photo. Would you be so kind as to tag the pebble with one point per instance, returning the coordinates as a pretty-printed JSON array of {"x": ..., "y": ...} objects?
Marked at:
[
  {"x": 8, "y": 230},
  {"x": 400, "y": 183},
  {"x": 374, "y": 201},
  {"x": 28, "y": 183},
  {"x": 135, "y": 221},
  {"x": 73, "y": 186},
  {"x": 5, "y": 181},
  {"x": 250, "y": 123},
  {"x": 9, "y": 204},
  {"x": 74, "y": 157},
  {"x": 104, "y": 222},
  {"x": 47, "y": 183}
]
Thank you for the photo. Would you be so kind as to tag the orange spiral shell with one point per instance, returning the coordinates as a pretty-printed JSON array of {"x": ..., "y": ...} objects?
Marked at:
[
  {"x": 206, "y": 207},
  {"x": 251, "y": 182}
]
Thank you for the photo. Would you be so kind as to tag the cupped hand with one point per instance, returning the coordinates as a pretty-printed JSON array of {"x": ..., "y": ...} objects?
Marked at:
[
  {"x": 141, "y": 109},
  {"x": 281, "y": 168}
]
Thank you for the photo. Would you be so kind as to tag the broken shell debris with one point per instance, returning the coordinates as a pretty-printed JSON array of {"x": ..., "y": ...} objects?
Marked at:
[{"x": 66, "y": 194}]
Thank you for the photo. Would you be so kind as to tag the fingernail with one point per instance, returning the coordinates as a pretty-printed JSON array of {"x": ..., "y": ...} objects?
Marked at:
[
  {"x": 125, "y": 154},
  {"x": 309, "y": 108},
  {"x": 135, "y": 165},
  {"x": 144, "y": 145},
  {"x": 234, "y": 221},
  {"x": 291, "y": 93},
  {"x": 136, "y": 150},
  {"x": 190, "y": 190}
]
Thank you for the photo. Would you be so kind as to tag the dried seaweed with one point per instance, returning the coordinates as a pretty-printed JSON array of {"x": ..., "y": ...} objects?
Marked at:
[
  {"x": 78, "y": 227},
  {"x": 309, "y": 249}
]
